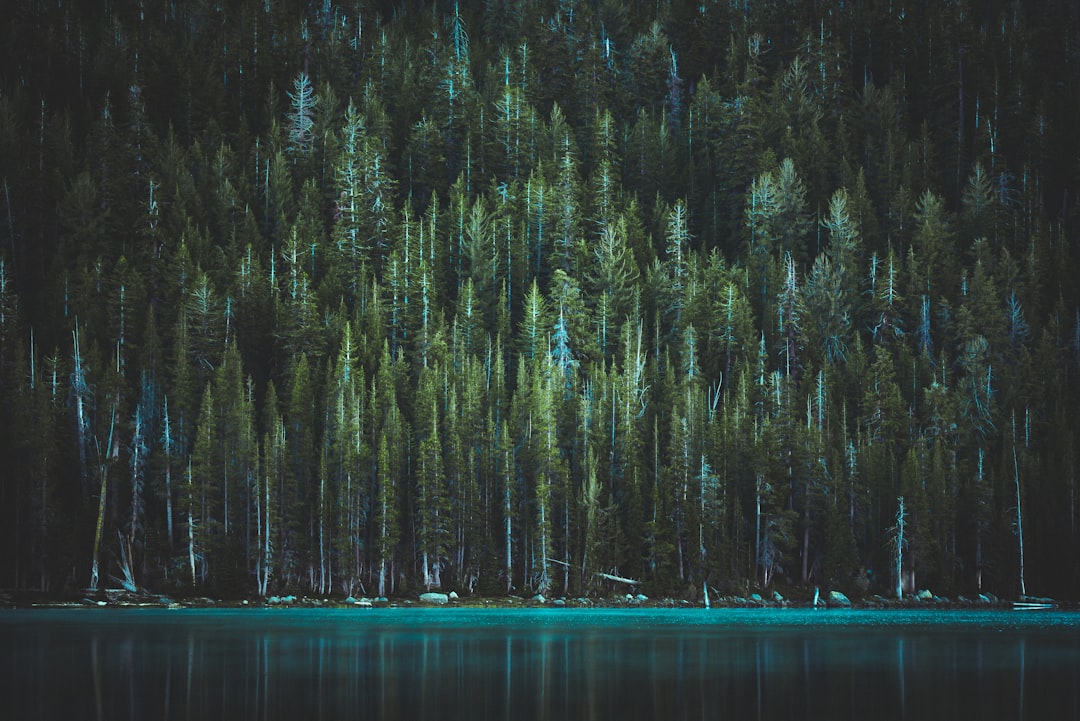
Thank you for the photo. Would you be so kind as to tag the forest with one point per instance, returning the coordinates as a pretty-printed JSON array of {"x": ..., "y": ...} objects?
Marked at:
[{"x": 517, "y": 296}]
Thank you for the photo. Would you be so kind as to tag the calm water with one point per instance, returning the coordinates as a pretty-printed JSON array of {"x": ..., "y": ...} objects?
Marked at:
[{"x": 476, "y": 664}]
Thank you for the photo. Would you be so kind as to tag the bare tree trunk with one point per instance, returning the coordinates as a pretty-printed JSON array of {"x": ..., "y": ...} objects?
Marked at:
[
  {"x": 259, "y": 531},
  {"x": 382, "y": 549},
  {"x": 543, "y": 585},
  {"x": 168, "y": 500},
  {"x": 508, "y": 536},
  {"x": 323, "y": 576},
  {"x": 103, "y": 472},
  {"x": 806, "y": 540},
  {"x": 81, "y": 391},
  {"x": 128, "y": 549},
  {"x": 758, "y": 480},
  {"x": 267, "y": 548},
  {"x": 901, "y": 518},
  {"x": 191, "y": 524},
  {"x": 103, "y": 469},
  {"x": 1019, "y": 517}
]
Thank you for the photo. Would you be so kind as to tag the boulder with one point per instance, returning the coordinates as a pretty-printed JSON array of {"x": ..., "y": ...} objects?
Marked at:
[
  {"x": 539, "y": 598},
  {"x": 641, "y": 598},
  {"x": 436, "y": 598},
  {"x": 838, "y": 599},
  {"x": 453, "y": 595},
  {"x": 924, "y": 595},
  {"x": 756, "y": 598},
  {"x": 776, "y": 597}
]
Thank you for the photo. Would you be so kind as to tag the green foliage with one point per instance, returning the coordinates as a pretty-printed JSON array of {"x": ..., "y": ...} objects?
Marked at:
[{"x": 686, "y": 295}]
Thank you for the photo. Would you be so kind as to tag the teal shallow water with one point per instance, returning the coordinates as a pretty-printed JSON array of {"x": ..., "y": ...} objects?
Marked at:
[{"x": 445, "y": 663}]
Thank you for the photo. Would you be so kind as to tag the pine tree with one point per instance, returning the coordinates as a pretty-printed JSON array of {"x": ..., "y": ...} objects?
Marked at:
[{"x": 301, "y": 117}]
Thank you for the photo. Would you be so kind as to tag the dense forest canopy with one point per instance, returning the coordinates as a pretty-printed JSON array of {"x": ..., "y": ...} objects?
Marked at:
[{"x": 501, "y": 297}]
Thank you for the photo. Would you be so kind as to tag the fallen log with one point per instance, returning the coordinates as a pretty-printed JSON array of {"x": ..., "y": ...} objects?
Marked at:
[{"x": 605, "y": 576}]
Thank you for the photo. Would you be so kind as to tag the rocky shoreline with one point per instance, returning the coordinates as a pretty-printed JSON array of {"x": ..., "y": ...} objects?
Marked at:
[{"x": 120, "y": 598}]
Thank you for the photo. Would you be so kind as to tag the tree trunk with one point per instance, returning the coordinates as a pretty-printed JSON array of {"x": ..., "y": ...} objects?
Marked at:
[
  {"x": 757, "y": 521},
  {"x": 191, "y": 524},
  {"x": 1019, "y": 518},
  {"x": 508, "y": 536},
  {"x": 104, "y": 471},
  {"x": 900, "y": 521},
  {"x": 323, "y": 577}
]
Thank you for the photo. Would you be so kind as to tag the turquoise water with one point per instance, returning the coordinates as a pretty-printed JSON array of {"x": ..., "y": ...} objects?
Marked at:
[{"x": 444, "y": 663}]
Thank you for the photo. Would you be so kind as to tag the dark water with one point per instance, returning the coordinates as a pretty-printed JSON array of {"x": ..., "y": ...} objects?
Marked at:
[{"x": 476, "y": 664}]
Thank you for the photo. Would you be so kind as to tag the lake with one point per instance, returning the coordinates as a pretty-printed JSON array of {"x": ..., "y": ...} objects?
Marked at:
[{"x": 450, "y": 663}]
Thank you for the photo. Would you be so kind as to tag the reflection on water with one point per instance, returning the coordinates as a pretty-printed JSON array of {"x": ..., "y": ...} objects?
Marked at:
[{"x": 551, "y": 664}]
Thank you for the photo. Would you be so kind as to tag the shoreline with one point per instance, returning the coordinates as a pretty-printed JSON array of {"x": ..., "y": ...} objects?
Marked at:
[{"x": 120, "y": 598}]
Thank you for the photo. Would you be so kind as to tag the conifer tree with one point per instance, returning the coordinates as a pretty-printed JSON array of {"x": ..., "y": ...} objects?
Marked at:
[{"x": 301, "y": 118}]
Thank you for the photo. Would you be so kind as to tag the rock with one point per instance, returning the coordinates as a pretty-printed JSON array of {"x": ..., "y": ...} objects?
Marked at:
[
  {"x": 924, "y": 595},
  {"x": 838, "y": 599},
  {"x": 559, "y": 602},
  {"x": 776, "y": 597},
  {"x": 437, "y": 598},
  {"x": 350, "y": 599},
  {"x": 453, "y": 595},
  {"x": 641, "y": 598},
  {"x": 366, "y": 602},
  {"x": 538, "y": 598},
  {"x": 756, "y": 598}
]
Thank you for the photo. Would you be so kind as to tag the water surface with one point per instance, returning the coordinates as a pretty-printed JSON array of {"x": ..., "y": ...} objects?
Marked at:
[{"x": 441, "y": 663}]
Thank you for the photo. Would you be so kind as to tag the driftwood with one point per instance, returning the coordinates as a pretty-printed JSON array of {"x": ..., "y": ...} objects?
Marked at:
[
  {"x": 618, "y": 579},
  {"x": 606, "y": 576}
]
